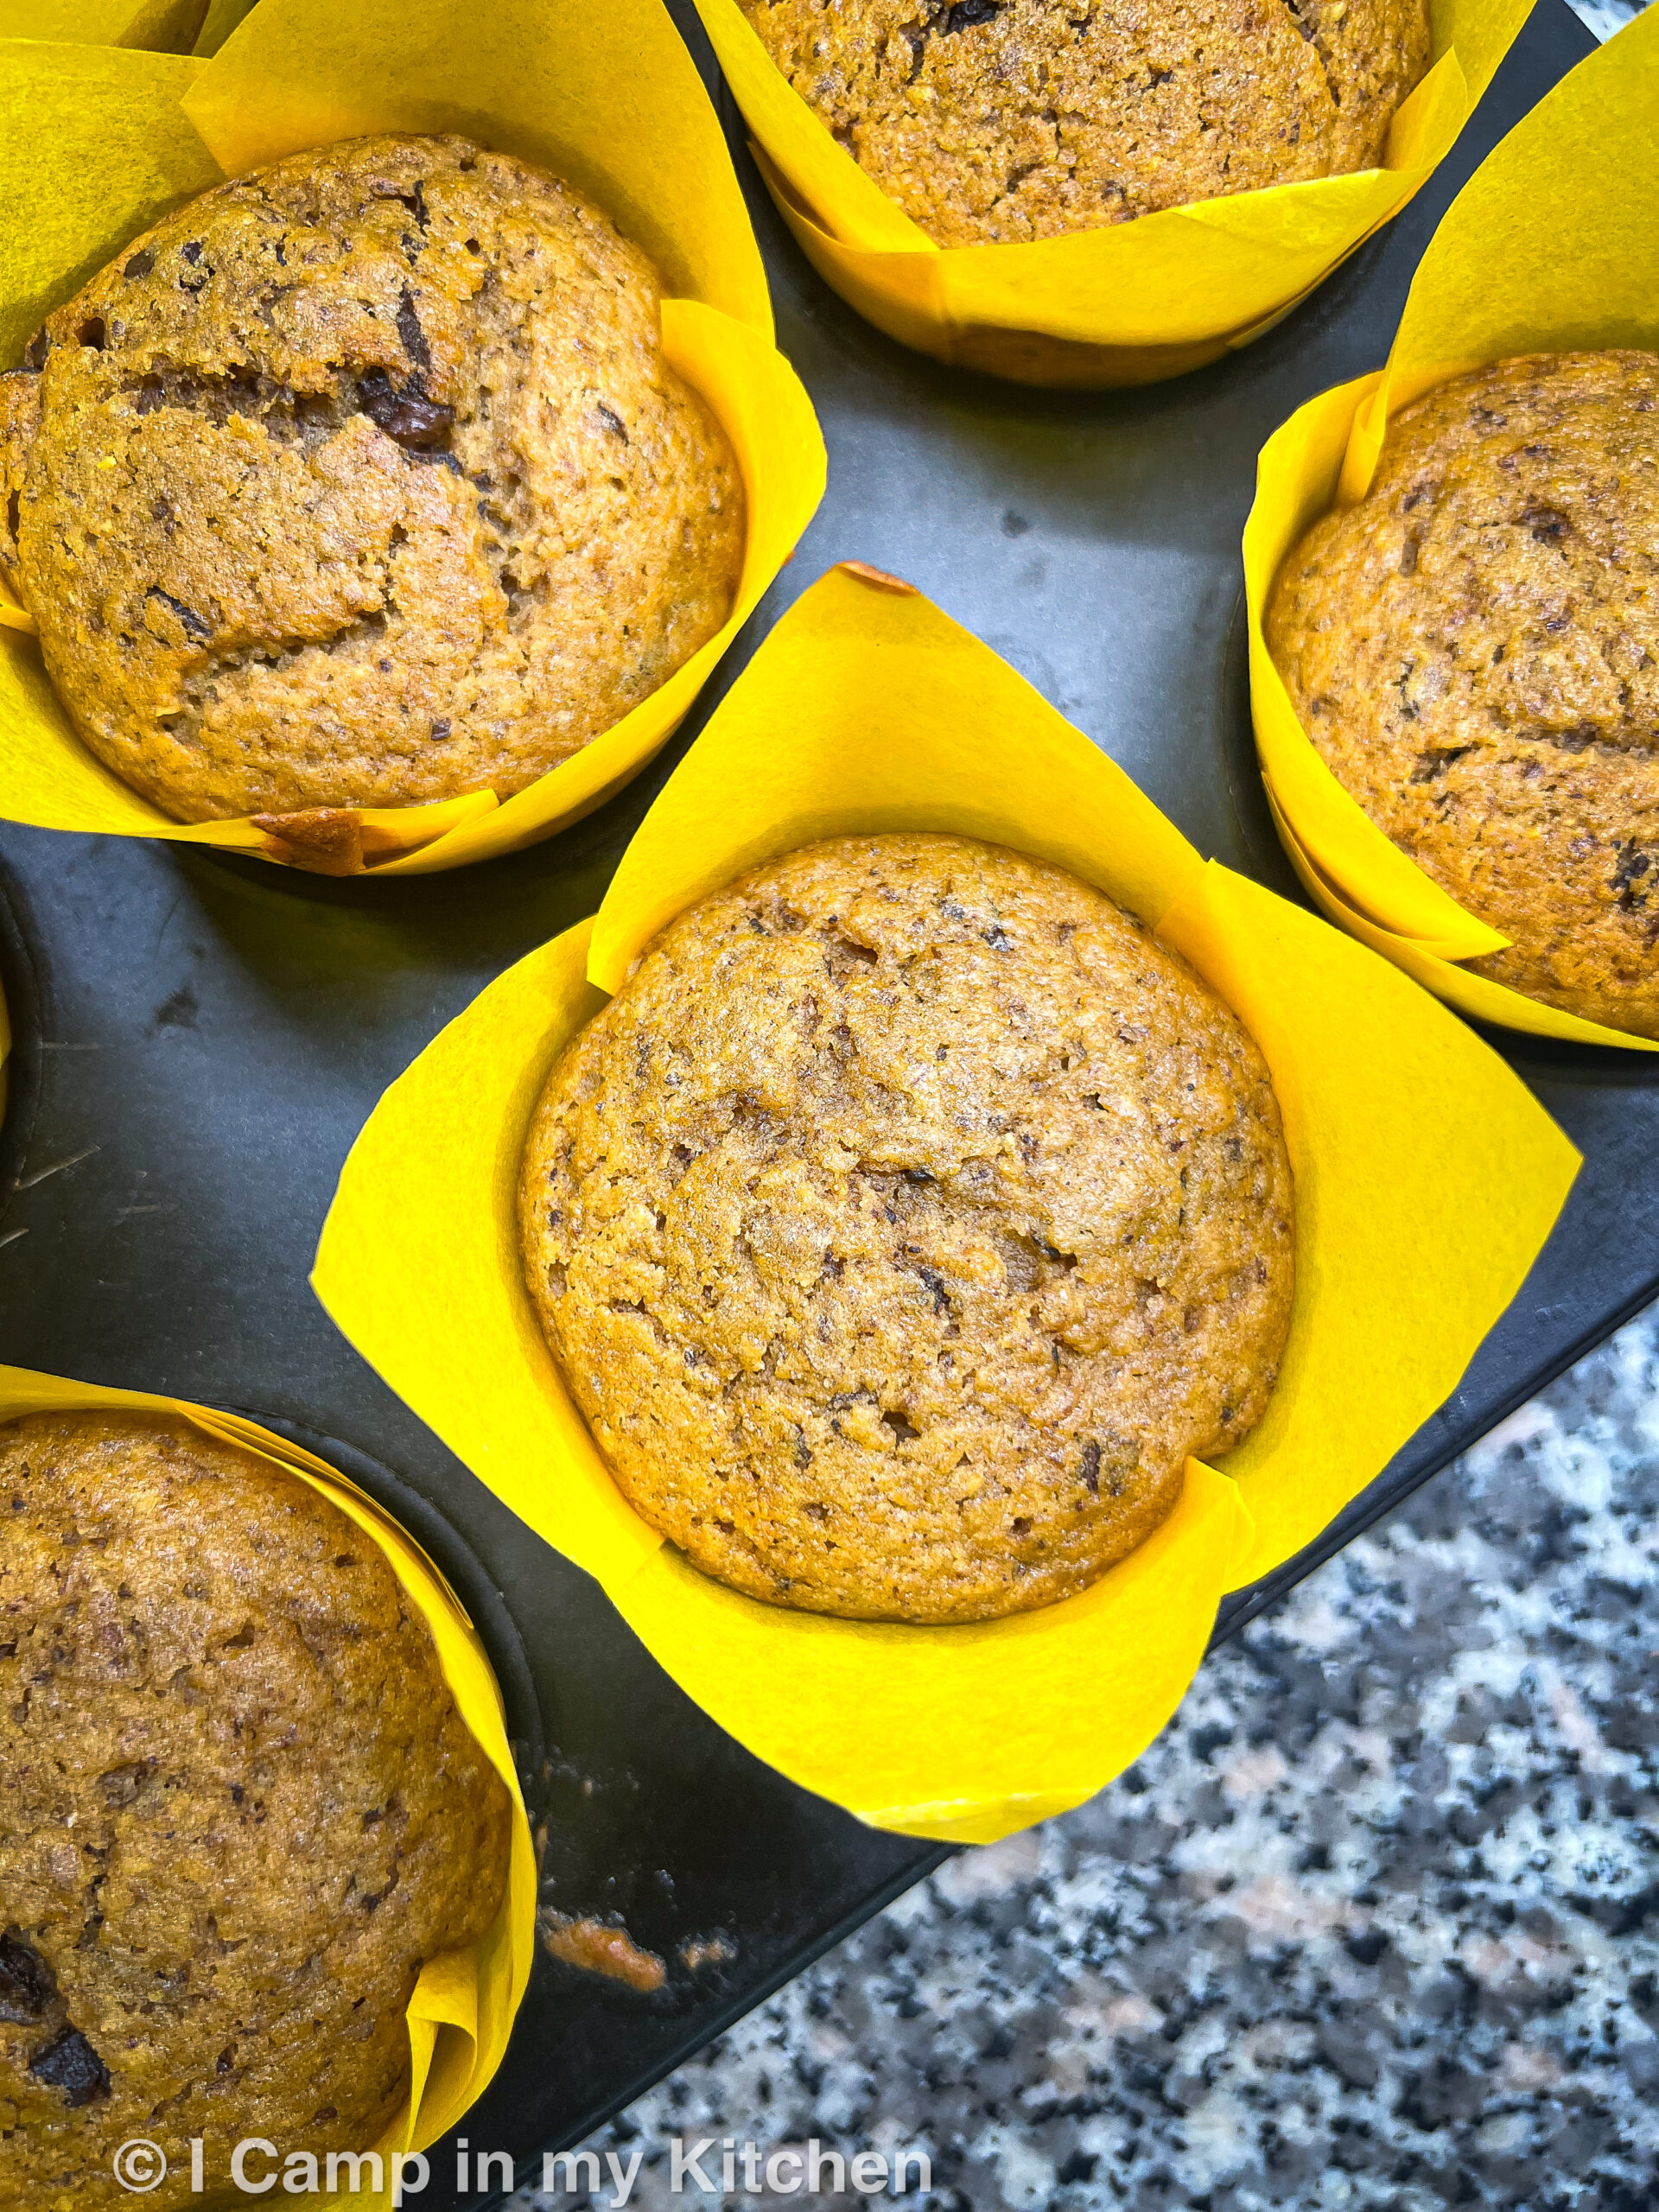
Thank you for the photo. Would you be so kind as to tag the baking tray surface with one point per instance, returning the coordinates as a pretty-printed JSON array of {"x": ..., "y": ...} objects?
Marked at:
[{"x": 198, "y": 1039}]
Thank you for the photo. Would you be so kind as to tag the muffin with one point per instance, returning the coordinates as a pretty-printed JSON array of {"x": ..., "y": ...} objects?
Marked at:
[
  {"x": 994, "y": 120},
  {"x": 241, "y": 1811},
  {"x": 363, "y": 481},
  {"x": 1473, "y": 649},
  {"x": 903, "y": 1223}
]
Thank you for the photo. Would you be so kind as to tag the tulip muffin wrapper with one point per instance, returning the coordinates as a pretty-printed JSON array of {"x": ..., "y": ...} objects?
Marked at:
[
  {"x": 1551, "y": 247},
  {"x": 462, "y": 2010},
  {"x": 1125, "y": 303},
  {"x": 1427, "y": 1180},
  {"x": 101, "y": 143}
]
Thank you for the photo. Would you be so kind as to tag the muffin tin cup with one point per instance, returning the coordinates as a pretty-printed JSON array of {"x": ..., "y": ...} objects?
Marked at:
[
  {"x": 465, "y": 2002},
  {"x": 1550, "y": 247},
  {"x": 165, "y": 26},
  {"x": 1123, "y": 304},
  {"x": 603, "y": 95},
  {"x": 867, "y": 710}
]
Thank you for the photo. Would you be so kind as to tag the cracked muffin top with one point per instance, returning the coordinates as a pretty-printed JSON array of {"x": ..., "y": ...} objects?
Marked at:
[
  {"x": 362, "y": 480},
  {"x": 240, "y": 1810},
  {"x": 1473, "y": 649},
  {"x": 994, "y": 120},
  {"x": 903, "y": 1223}
]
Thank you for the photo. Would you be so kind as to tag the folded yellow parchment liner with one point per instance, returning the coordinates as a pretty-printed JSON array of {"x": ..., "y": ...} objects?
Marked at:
[
  {"x": 866, "y": 708},
  {"x": 95, "y": 144},
  {"x": 167, "y": 26},
  {"x": 1552, "y": 246},
  {"x": 1124, "y": 304},
  {"x": 462, "y": 2010}
]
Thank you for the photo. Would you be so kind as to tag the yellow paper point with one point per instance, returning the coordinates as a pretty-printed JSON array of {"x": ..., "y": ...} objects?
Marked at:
[{"x": 223, "y": 17}]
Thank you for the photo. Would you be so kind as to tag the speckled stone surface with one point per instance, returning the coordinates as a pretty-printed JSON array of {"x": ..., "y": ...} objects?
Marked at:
[
  {"x": 1606, "y": 16},
  {"x": 1376, "y": 1923}
]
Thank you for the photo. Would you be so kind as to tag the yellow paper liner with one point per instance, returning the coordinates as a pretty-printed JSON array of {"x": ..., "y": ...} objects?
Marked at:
[
  {"x": 1550, "y": 247},
  {"x": 222, "y": 19},
  {"x": 867, "y": 708},
  {"x": 166, "y": 26},
  {"x": 95, "y": 144},
  {"x": 462, "y": 2010},
  {"x": 1127, "y": 304}
]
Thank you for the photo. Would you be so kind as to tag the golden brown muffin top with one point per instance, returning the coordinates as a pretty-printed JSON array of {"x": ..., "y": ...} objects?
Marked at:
[
  {"x": 240, "y": 1809},
  {"x": 362, "y": 480},
  {"x": 1473, "y": 649},
  {"x": 992, "y": 120},
  {"x": 903, "y": 1223}
]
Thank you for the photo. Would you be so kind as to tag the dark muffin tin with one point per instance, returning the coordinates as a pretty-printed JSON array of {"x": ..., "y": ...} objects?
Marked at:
[{"x": 199, "y": 1039}]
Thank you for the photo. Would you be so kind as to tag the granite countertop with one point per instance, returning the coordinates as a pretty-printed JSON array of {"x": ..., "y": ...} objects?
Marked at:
[{"x": 1374, "y": 1923}]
